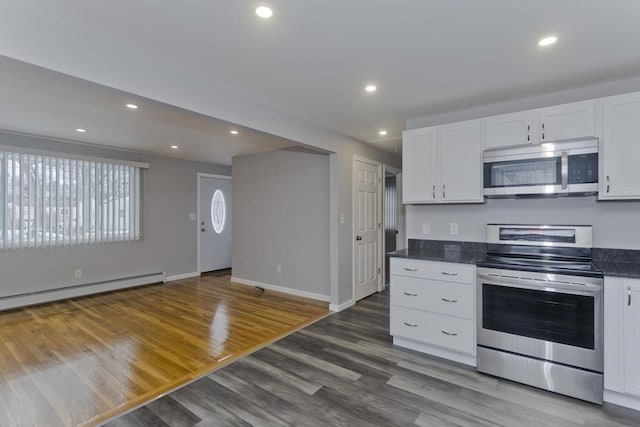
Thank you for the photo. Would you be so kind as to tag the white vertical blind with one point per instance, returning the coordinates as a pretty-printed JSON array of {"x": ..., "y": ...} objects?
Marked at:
[{"x": 49, "y": 201}]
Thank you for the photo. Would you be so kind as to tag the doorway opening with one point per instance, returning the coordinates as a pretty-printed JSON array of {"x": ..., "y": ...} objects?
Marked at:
[{"x": 393, "y": 216}]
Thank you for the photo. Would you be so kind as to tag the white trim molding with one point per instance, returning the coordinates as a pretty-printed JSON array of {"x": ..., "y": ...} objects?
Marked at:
[
  {"x": 343, "y": 306},
  {"x": 182, "y": 276},
  {"x": 622, "y": 399},
  {"x": 433, "y": 350},
  {"x": 283, "y": 289}
]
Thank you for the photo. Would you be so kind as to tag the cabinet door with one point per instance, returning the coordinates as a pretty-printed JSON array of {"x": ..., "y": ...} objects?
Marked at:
[
  {"x": 419, "y": 166},
  {"x": 613, "y": 334},
  {"x": 460, "y": 162},
  {"x": 632, "y": 336},
  {"x": 511, "y": 129},
  {"x": 620, "y": 147},
  {"x": 568, "y": 121}
]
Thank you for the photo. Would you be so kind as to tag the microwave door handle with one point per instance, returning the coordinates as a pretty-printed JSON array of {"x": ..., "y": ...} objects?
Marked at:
[{"x": 565, "y": 170}]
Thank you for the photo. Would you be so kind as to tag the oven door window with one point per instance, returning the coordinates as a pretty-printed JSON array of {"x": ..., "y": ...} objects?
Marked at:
[{"x": 548, "y": 316}]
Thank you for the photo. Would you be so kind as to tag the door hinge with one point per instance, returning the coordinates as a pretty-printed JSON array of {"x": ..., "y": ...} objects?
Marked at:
[{"x": 379, "y": 270}]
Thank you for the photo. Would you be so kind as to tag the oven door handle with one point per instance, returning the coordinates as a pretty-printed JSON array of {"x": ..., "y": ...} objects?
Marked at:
[{"x": 548, "y": 286}]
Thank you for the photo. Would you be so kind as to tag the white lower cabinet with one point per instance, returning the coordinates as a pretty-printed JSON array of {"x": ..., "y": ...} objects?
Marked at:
[
  {"x": 433, "y": 308},
  {"x": 622, "y": 341}
]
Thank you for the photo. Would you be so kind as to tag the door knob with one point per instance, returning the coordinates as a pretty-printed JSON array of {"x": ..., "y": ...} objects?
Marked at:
[
  {"x": 202, "y": 229},
  {"x": 358, "y": 238}
]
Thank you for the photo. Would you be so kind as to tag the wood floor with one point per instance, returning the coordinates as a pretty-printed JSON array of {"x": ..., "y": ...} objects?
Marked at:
[
  {"x": 344, "y": 371},
  {"x": 83, "y": 361}
]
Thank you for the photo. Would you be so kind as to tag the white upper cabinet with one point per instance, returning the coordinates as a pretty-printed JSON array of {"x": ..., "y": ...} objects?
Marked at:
[
  {"x": 419, "y": 160},
  {"x": 620, "y": 147},
  {"x": 460, "y": 154},
  {"x": 443, "y": 164},
  {"x": 567, "y": 121},
  {"x": 511, "y": 129}
]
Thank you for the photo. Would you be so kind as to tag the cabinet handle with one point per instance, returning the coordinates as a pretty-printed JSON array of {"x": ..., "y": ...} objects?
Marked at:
[
  {"x": 449, "y": 300},
  {"x": 444, "y": 196},
  {"x": 528, "y": 132},
  {"x": 410, "y": 269},
  {"x": 451, "y": 334},
  {"x": 543, "y": 131},
  {"x": 434, "y": 191},
  {"x": 410, "y": 295},
  {"x": 410, "y": 325},
  {"x": 448, "y": 274},
  {"x": 629, "y": 295},
  {"x": 608, "y": 183}
]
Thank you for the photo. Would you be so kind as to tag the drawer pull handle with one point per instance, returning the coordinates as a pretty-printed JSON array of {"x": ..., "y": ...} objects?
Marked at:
[
  {"x": 449, "y": 274},
  {"x": 411, "y": 269},
  {"x": 451, "y": 334},
  {"x": 410, "y": 325},
  {"x": 449, "y": 300},
  {"x": 410, "y": 295}
]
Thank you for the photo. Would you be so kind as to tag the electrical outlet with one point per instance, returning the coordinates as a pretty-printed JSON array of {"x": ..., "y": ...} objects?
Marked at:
[
  {"x": 77, "y": 273},
  {"x": 426, "y": 228},
  {"x": 192, "y": 216},
  {"x": 341, "y": 218},
  {"x": 453, "y": 228},
  {"x": 279, "y": 269}
]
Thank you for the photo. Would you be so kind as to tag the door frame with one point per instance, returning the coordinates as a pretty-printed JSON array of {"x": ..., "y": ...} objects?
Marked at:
[
  {"x": 354, "y": 200},
  {"x": 399, "y": 216},
  {"x": 198, "y": 176}
]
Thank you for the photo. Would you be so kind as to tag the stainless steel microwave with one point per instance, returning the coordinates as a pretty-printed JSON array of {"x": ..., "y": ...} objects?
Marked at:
[{"x": 568, "y": 168}]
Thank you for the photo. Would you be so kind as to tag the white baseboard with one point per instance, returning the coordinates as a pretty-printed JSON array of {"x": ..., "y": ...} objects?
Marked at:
[
  {"x": 343, "y": 306},
  {"x": 23, "y": 300},
  {"x": 282, "y": 289},
  {"x": 435, "y": 351},
  {"x": 182, "y": 276},
  {"x": 622, "y": 399}
]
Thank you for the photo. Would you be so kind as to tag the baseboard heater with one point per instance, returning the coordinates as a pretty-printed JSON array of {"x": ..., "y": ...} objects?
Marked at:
[{"x": 32, "y": 298}]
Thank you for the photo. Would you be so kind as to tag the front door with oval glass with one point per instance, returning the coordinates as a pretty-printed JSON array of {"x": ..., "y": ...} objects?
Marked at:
[{"x": 215, "y": 223}]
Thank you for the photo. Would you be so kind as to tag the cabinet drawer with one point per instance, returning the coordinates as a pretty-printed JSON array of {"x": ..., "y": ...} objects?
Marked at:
[
  {"x": 445, "y": 271},
  {"x": 453, "y": 299},
  {"x": 436, "y": 329}
]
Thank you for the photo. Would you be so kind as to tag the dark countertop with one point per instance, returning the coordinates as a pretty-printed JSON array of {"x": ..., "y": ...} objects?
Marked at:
[
  {"x": 627, "y": 270},
  {"x": 459, "y": 256}
]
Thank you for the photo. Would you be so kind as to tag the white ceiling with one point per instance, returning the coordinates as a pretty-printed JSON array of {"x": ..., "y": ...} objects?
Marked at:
[{"x": 313, "y": 58}]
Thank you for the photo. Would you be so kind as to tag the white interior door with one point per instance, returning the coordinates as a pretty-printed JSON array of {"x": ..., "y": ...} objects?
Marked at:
[
  {"x": 367, "y": 228},
  {"x": 215, "y": 223}
]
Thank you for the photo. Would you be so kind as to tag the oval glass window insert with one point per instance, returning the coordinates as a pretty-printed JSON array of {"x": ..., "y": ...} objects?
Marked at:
[{"x": 218, "y": 211}]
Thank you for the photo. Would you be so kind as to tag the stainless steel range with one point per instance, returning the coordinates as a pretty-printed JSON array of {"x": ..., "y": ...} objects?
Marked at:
[{"x": 540, "y": 308}]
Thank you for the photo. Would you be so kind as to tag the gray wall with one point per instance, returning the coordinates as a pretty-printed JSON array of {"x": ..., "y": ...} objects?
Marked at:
[
  {"x": 280, "y": 216},
  {"x": 615, "y": 224},
  {"x": 169, "y": 242}
]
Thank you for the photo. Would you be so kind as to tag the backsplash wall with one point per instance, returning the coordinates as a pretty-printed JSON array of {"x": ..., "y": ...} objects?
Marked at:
[{"x": 615, "y": 224}]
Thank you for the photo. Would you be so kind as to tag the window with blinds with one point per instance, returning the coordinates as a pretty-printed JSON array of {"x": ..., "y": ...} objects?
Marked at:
[{"x": 54, "y": 201}]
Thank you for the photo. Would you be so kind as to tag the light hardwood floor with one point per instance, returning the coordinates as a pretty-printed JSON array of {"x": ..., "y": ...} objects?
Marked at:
[
  {"x": 344, "y": 371},
  {"x": 85, "y": 360}
]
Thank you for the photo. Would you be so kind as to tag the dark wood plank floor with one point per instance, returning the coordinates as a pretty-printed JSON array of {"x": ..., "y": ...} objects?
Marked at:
[{"x": 344, "y": 371}]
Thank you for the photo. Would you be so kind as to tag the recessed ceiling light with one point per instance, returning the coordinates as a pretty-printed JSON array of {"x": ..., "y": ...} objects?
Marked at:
[
  {"x": 264, "y": 12},
  {"x": 370, "y": 88},
  {"x": 382, "y": 133},
  {"x": 547, "y": 41},
  {"x": 81, "y": 130},
  {"x": 174, "y": 147},
  {"x": 132, "y": 106},
  {"x": 233, "y": 132}
]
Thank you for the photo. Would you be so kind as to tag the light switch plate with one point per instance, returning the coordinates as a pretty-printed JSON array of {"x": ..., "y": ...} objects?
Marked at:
[
  {"x": 426, "y": 228},
  {"x": 453, "y": 228},
  {"x": 341, "y": 218}
]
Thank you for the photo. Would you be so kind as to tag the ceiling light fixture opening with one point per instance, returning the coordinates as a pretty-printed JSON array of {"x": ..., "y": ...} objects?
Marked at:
[
  {"x": 547, "y": 41},
  {"x": 264, "y": 12},
  {"x": 382, "y": 133},
  {"x": 81, "y": 130},
  {"x": 233, "y": 132},
  {"x": 132, "y": 106},
  {"x": 174, "y": 147},
  {"x": 370, "y": 88}
]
